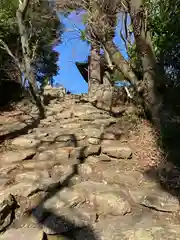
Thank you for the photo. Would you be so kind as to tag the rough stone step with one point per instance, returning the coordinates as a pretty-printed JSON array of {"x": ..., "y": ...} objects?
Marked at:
[
  {"x": 155, "y": 198},
  {"x": 54, "y": 154},
  {"x": 99, "y": 168},
  {"x": 104, "y": 200},
  {"x": 40, "y": 165},
  {"x": 66, "y": 114},
  {"x": 27, "y": 188},
  {"x": 23, "y": 233},
  {"x": 31, "y": 176},
  {"x": 10, "y": 157},
  {"x": 25, "y": 142},
  {"x": 136, "y": 228},
  {"x": 64, "y": 220},
  {"x": 84, "y": 152},
  {"x": 107, "y": 199},
  {"x": 114, "y": 148},
  {"x": 79, "y": 147}
]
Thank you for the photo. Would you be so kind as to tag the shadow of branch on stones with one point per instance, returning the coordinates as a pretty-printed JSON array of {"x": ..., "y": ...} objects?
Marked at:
[{"x": 72, "y": 229}]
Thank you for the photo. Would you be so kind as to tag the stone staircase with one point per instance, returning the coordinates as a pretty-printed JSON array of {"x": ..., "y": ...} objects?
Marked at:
[{"x": 73, "y": 175}]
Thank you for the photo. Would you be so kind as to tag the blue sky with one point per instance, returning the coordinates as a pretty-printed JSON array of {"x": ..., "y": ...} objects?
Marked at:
[{"x": 72, "y": 49}]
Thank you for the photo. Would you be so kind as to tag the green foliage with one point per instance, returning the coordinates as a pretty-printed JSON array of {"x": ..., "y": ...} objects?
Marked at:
[
  {"x": 8, "y": 34},
  {"x": 83, "y": 35},
  {"x": 47, "y": 32},
  {"x": 117, "y": 77},
  {"x": 8, "y": 24},
  {"x": 163, "y": 22},
  {"x": 44, "y": 34},
  {"x": 135, "y": 60},
  {"x": 85, "y": 18}
]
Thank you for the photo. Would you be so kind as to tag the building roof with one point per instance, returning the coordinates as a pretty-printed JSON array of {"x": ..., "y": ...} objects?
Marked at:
[{"x": 83, "y": 69}]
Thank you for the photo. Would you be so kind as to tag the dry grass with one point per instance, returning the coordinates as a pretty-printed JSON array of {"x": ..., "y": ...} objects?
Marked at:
[{"x": 143, "y": 141}]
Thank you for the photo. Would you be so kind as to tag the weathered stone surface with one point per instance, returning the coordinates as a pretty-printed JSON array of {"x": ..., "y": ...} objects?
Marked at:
[
  {"x": 155, "y": 198},
  {"x": 104, "y": 122},
  {"x": 92, "y": 116},
  {"x": 92, "y": 159},
  {"x": 84, "y": 170},
  {"x": 31, "y": 176},
  {"x": 10, "y": 127},
  {"x": 4, "y": 181},
  {"x": 66, "y": 197},
  {"x": 68, "y": 140},
  {"x": 136, "y": 228},
  {"x": 56, "y": 237},
  {"x": 85, "y": 110},
  {"x": 53, "y": 93},
  {"x": 9, "y": 157},
  {"x": 50, "y": 119},
  {"x": 45, "y": 156},
  {"x": 55, "y": 108},
  {"x": 76, "y": 179},
  {"x": 41, "y": 135},
  {"x": 27, "y": 188},
  {"x": 59, "y": 154},
  {"x": 25, "y": 142},
  {"x": 98, "y": 158},
  {"x": 111, "y": 203},
  {"x": 93, "y": 132},
  {"x": 84, "y": 152},
  {"x": 21, "y": 189},
  {"x": 65, "y": 221},
  {"x": 92, "y": 150},
  {"x": 115, "y": 149},
  {"x": 64, "y": 115},
  {"x": 71, "y": 126},
  {"x": 107, "y": 199},
  {"x": 108, "y": 136},
  {"x": 6, "y": 169},
  {"x": 94, "y": 141},
  {"x": 104, "y": 158},
  {"x": 23, "y": 233},
  {"x": 128, "y": 178},
  {"x": 7, "y": 209}
]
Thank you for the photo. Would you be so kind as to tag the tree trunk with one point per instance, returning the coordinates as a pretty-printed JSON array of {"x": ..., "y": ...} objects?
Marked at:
[
  {"x": 121, "y": 64},
  {"x": 100, "y": 95},
  {"x": 124, "y": 67},
  {"x": 147, "y": 56},
  {"x": 94, "y": 80},
  {"x": 107, "y": 79},
  {"x": 94, "y": 67},
  {"x": 29, "y": 74}
]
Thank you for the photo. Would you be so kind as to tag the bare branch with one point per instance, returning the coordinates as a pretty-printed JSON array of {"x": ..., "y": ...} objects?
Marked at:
[
  {"x": 125, "y": 25},
  {"x": 107, "y": 56},
  {"x": 124, "y": 40},
  {"x": 23, "y": 6},
  {"x": 7, "y": 49},
  {"x": 128, "y": 93}
]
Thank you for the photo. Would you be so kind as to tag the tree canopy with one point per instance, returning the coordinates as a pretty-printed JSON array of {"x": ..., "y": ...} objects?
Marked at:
[
  {"x": 44, "y": 34},
  {"x": 163, "y": 19}
]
